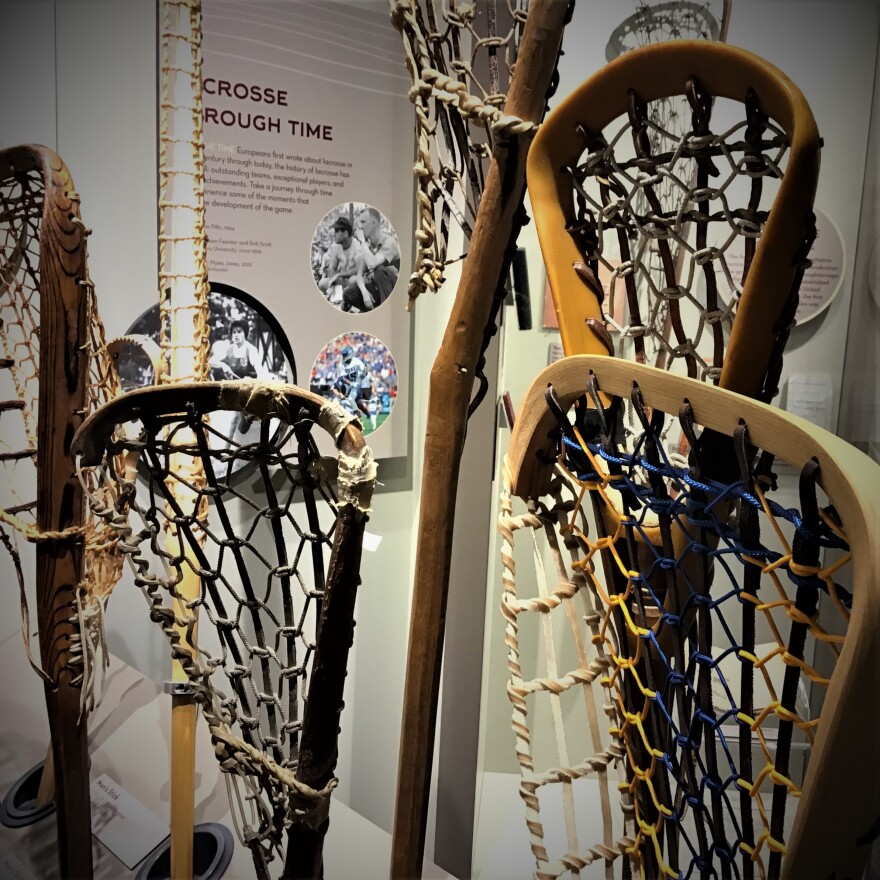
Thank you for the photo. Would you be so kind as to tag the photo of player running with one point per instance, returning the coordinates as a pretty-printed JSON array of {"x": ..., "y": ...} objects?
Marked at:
[{"x": 358, "y": 371}]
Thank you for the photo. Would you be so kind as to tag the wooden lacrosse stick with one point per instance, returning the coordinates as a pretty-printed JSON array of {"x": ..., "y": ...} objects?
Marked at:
[
  {"x": 249, "y": 577},
  {"x": 451, "y": 385},
  {"x": 737, "y": 807},
  {"x": 63, "y": 359},
  {"x": 183, "y": 292},
  {"x": 661, "y": 22},
  {"x": 749, "y": 362}
]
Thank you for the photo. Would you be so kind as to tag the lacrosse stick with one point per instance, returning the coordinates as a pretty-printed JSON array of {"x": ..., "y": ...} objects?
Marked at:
[
  {"x": 184, "y": 342},
  {"x": 56, "y": 367},
  {"x": 741, "y": 220},
  {"x": 273, "y": 613},
  {"x": 658, "y": 23},
  {"x": 662, "y": 22},
  {"x": 701, "y": 608},
  {"x": 497, "y": 223}
]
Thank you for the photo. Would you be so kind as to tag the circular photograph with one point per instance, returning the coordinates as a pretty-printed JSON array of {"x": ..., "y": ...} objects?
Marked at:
[
  {"x": 355, "y": 257},
  {"x": 247, "y": 342},
  {"x": 359, "y": 372}
]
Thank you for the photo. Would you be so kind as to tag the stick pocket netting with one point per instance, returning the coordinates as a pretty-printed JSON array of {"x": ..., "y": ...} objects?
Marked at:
[
  {"x": 265, "y": 549},
  {"x": 672, "y": 630},
  {"x": 671, "y": 201}
]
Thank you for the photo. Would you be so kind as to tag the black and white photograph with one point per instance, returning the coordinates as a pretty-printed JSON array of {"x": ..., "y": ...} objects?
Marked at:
[
  {"x": 355, "y": 257},
  {"x": 357, "y": 370},
  {"x": 246, "y": 343}
]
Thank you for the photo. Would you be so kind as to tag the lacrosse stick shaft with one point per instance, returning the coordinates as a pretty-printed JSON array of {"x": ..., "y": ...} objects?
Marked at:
[
  {"x": 319, "y": 746},
  {"x": 46, "y": 791},
  {"x": 60, "y": 507},
  {"x": 183, "y": 762},
  {"x": 451, "y": 385},
  {"x": 183, "y": 271}
]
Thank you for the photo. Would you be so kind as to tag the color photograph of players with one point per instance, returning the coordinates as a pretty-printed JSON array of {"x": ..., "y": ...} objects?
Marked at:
[
  {"x": 355, "y": 257},
  {"x": 358, "y": 371}
]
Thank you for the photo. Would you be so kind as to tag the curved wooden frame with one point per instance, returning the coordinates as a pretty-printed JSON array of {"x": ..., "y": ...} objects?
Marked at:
[
  {"x": 841, "y": 796},
  {"x": 319, "y": 737},
  {"x": 661, "y": 71},
  {"x": 63, "y": 377},
  {"x": 258, "y": 398}
]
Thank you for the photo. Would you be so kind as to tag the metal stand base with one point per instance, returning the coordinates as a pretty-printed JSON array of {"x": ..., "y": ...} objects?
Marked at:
[
  {"x": 212, "y": 852},
  {"x": 19, "y": 807}
]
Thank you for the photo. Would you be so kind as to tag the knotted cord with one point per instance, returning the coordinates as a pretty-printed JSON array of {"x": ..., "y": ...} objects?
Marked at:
[
  {"x": 708, "y": 612},
  {"x": 266, "y": 559}
]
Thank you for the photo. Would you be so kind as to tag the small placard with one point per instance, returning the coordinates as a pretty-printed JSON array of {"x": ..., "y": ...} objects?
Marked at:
[
  {"x": 821, "y": 281},
  {"x": 371, "y": 542},
  {"x": 122, "y": 823},
  {"x": 810, "y": 396},
  {"x": 554, "y": 352},
  {"x": 12, "y": 869}
]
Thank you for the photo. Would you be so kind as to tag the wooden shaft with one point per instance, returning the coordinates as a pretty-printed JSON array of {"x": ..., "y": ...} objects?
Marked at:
[
  {"x": 187, "y": 281},
  {"x": 451, "y": 385},
  {"x": 63, "y": 377},
  {"x": 319, "y": 744},
  {"x": 183, "y": 770},
  {"x": 184, "y": 714},
  {"x": 46, "y": 791}
]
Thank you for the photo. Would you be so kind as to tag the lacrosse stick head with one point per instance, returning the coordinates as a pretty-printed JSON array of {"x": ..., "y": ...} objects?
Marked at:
[
  {"x": 44, "y": 272},
  {"x": 659, "y": 237},
  {"x": 460, "y": 58},
  {"x": 276, "y": 558},
  {"x": 721, "y": 628},
  {"x": 658, "y": 22}
]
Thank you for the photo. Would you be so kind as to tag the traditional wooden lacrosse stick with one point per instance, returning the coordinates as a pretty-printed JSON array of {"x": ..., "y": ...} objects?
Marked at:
[
  {"x": 55, "y": 363},
  {"x": 273, "y": 613},
  {"x": 702, "y": 609},
  {"x": 662, "y": 22},
  {"x": 594, "y": 188},
  {"x": 498, "y": 219},
  {"x": 670, "y": 115},
  {"x": 184, "y": 342}
]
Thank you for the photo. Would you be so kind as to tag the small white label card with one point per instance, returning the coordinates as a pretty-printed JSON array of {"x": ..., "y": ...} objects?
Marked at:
[
  {"x": 371, "y": 542},
  {"x": 810, "y": 396},
  {"x": 12, "y": 869},
  {"x": 554, "y": 352},
  {"x": 122, "y": 823}
]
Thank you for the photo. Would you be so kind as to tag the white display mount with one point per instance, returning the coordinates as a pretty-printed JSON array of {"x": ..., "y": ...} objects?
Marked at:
[{"x": 130, "y": 748}]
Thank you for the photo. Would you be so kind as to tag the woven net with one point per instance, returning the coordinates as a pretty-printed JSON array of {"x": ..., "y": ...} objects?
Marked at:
[
  {"x": 671, "y": 218},
  {"x": 703, "y": 622},
  {"x": 273, "y": 547},
  {"x": 670, "y": 115},
  {"x": 25, "y": 200},
  {"x": 460, "y": 57},
  {"x": 660, "y": 22}
]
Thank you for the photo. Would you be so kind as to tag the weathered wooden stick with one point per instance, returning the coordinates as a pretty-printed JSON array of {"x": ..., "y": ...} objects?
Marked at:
[
  {"x": 451, "y": 385},
  {"x": 319, "y": 746},
  {"x": 60, "y": 505}
]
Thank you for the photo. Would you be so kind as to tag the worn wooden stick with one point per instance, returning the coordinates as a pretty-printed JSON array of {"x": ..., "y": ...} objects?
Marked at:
[
  {"x": 60, "y": 506},
  {"x": 451, "y": 385}
]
